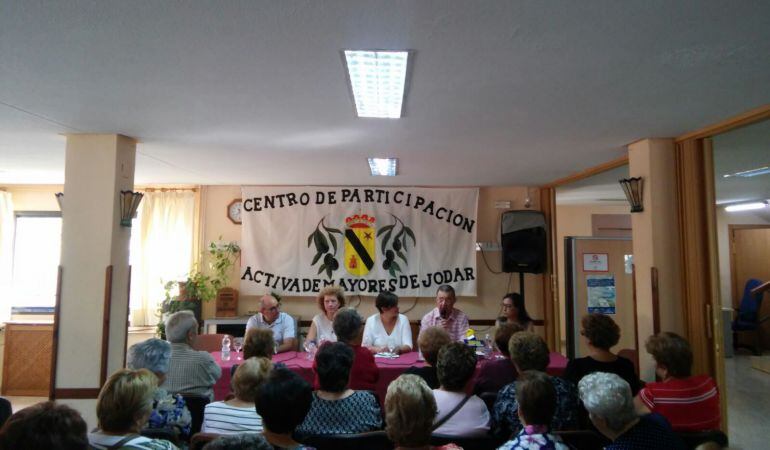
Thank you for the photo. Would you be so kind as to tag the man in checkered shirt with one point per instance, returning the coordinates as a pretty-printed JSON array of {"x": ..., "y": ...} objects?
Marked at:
[
  {"x": 445, "y": 315},
  {"x": 190, "y": 371}
]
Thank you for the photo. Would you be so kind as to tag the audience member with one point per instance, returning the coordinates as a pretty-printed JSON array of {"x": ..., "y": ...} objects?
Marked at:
[
  {"x": 280, "y": 323},
  {"x": 168, "y": 411},
  {"x": 537, "y": 403},
  {"x": 601, "y": 334},
  {"x": 258, "y": 343},
  {"x": 238, "y": 415},
  {"x": 283, "y": 402},
  {"x": 388, "y": 327},
  {"x": 430, "y": 342},
  {"x": 515, "y": 312},
  {"x": 246, "y": 441},
  {"x": 123, "y": 407},
  {"x": 607, "y": 397},
  {"x": 690, "y": 403},
  {"x": 496, "y": 373},
  {"x": 445, "y": 315},
  {"x": 190, "y": 371},
  {"x": 330, "y": 299},
  {"x": 46, "y": 425},
  {"x": 530, "y": 352},
  {"x": 459, "y": 414},
  {"x": 336, "y": 409},
  {"x": 410, "y": 410},
  {"x": 349, "y": 328}
]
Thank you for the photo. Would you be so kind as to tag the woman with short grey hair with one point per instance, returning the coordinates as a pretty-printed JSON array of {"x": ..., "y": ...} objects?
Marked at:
[
  {"x": 168, "y": 411},
  {"x": 609, "y": 403}
]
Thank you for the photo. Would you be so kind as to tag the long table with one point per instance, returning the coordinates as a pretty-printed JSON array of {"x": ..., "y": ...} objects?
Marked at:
[{"x": 390, "y": 369}]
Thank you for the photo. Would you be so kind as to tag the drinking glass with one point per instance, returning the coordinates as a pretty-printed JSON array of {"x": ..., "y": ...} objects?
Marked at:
[
  {"x": 310, "y": 349},
  {"x": 391, "y": 346},
  {"x": 238, "y": 345}
]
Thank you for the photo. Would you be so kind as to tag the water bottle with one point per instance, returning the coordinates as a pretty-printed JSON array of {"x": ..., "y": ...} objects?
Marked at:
[
  {"x": 226, "y": 348},
  {"x": 487, "y": 346}
]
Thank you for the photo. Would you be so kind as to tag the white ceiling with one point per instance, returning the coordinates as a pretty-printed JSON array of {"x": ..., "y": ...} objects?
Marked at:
[{"x": 247, "y": 92}]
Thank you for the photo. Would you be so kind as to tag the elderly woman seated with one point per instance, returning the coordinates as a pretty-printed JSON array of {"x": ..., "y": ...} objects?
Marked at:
[
  {"x": 607, "y": 397},
  {"x": 430, "y": 342},
  {"x": 496, "y": 373},
  {"x": 123, "y": 407},
  {"x": 238, "y": 414},
  {"x": 248, "y": 441},
  {"x": 283, "y": 402},
  {"x": 337, "y": 409},
  {"x": 47, "y": 426},
  {"x": 168, "y": 411},
  {"x": 388, "y": 330},
  {"x": 459, "y": 414},
  {"x": 530, "y": 352}
]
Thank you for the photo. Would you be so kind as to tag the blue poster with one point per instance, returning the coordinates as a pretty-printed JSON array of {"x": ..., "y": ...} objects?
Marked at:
[{"x": 601, "y": 294}]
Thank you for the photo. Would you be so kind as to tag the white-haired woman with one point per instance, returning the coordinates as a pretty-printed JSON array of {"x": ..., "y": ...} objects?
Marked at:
[
  {"x": 607, "y": 397},
  {"x": 168, "y": 411}
]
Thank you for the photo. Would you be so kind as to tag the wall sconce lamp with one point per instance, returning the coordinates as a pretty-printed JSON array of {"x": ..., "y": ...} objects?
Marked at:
[
  {"x": 633, "y": 188},
  {"x": 60, "y": 199},
  {"x": 129, "y": 203}
]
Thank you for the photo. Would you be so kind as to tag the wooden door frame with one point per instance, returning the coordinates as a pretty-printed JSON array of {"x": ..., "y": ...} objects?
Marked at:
[{"x": 737, "y": 291}]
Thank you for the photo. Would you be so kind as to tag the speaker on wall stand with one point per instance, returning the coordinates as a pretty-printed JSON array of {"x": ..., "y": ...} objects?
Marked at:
[{"x": 524, "y": 241}]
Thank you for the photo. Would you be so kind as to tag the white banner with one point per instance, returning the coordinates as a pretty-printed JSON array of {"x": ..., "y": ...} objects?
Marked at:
[{"x": 295, "y": 240}]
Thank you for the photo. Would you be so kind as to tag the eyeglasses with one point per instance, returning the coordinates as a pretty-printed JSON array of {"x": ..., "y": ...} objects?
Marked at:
[{"x": 507, "y": 306}]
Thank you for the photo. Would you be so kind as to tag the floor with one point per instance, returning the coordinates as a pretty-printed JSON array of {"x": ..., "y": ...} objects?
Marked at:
[{"x": 748, "y": 404}]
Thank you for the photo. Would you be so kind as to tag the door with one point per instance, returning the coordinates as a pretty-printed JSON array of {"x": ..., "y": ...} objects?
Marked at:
[
  {"x": 599, "y": 278},
  {"x": 750, "y": 258}
]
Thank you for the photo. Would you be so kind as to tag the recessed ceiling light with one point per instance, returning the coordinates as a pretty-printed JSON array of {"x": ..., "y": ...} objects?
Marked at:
[
  {"x": 746, "y": 206},
  {"x": 749, "y": 173},
  {"x": 386, "y": 167},
  {"x": 378, "y": 81}
]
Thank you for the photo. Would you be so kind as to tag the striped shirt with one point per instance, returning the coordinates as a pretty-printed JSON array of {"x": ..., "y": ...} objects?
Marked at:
[
  {"x": 221, "y": 418},
  {"x": 689, "y": 404},
  {"x": 191, "y": 371},
  {"x": 456, "y": 324}
]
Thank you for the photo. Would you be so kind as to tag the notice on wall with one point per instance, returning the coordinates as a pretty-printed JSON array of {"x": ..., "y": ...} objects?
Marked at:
[
  {"x": 595, "y": 262},
  {"x": 601, "y": 294}
]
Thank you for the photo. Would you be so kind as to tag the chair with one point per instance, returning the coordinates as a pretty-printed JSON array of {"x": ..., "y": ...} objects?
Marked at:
[
  {"x": 161, "y": 433},
  {"x": 468, "y": 443},
  {"x": 489, "y": 399},
  {"x": 210, "y": 342},
  {"x": 631, "y": 355},
  {"x": 196, "y": 404},
  {"x": 371, "y": 440},
  {"x": 583, "y": 439},
  {"x": 748, "y": 321},
  {"x": 5, "y": 410},
  {"x": 199, "y": 440},
  {"x": 694, "y": 439}
]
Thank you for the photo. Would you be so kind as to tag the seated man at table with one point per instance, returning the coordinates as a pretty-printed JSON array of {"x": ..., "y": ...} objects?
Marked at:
[
  {"x": 280, "y": 323},
  {"x": 445, "y": 315},
  {"x": 190, "y": 371}
]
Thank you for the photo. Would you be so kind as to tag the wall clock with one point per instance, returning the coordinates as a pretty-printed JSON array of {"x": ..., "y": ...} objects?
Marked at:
[{"x": 234, "y": 210}]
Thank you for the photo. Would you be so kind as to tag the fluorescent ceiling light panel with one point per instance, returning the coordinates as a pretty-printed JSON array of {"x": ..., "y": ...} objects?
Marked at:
[
  {"x": 749, "y": 173},
  {"x": 386, "y": 167},
  {"x": 377, "y": 79},
  {"x": 746, "y": 206}
]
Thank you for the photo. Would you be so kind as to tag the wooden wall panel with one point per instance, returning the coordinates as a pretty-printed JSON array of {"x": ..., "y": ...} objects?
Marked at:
[{"x": 27, "y": 359}]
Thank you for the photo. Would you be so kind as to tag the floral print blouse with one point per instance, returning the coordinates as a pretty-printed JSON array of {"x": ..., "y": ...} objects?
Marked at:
[
  {"x": 534, "y": 437},
  {"x": 169, "y": 411}
]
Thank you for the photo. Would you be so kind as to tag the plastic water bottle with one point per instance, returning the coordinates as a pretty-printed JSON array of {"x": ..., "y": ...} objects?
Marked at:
[
  {"x": 226, "y": 348},
  {"x": 487, "y": 346}
]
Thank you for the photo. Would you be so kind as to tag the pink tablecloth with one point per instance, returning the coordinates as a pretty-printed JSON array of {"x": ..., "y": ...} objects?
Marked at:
[{"x": 390, "y": 369}]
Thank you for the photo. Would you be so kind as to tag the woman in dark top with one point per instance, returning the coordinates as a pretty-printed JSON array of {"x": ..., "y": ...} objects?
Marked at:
[
  {"x": 430, "y": 342},
  {"x": 494, "y": 374},
  {"x": 601, "y": 334},
  {"x": 514, "y": 311}
]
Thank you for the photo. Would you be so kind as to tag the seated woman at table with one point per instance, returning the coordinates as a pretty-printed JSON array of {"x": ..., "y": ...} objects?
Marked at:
[
  {"x": 530, "y": 352},
  {"x": 168, "y": 411},
  {"x": 456, "y": 364},
  {"x": 601, "y": 334},
  {"x": 330, "y": 300},
  {"x": 238, "y": 415},
  {"x": 388, "y": 328},
  {"x": 514, "y": 311},
  {"x": 496, "y": 373},
  {"x": 337, "y": 409},
  {"x": 349, "y": 328},
  {"x": 430, "y": 342}
]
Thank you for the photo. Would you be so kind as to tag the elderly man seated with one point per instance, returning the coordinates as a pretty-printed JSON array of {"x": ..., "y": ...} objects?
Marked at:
[
  {"x": 280, "y": 323},
  {"x": 190, "y": 371}
]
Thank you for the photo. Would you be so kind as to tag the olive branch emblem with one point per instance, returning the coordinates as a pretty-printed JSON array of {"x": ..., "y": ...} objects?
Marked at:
[
  {"x": 398, "y": 247},
  {"x": 321, "y": 239}
]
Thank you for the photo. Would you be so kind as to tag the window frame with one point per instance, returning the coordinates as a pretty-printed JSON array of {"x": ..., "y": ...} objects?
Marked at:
[{"x": 31, "y": 310}]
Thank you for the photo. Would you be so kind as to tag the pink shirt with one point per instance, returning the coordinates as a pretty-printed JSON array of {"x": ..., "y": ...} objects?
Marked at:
[
  {"x": 456, "y": 325},
  {"x": 470, "y": 421}
]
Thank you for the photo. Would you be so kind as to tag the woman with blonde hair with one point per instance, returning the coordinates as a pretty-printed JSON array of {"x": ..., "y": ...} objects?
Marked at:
[
  {"x": 330, "y": 299},
  {"x": 238, "y": 414},
  {"x": 123, "y": 407}
]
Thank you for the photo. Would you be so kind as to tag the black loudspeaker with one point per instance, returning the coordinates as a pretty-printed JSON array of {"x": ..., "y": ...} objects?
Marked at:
[{"x": 523, "y": 236}]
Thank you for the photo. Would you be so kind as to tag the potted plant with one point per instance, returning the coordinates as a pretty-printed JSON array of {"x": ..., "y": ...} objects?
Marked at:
[{"x": 199, "y": 287}]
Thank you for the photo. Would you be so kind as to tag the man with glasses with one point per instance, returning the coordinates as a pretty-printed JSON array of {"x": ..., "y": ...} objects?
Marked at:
[
  {"x": 280, "y": 323},
  {"x": 445, "y": 315}
]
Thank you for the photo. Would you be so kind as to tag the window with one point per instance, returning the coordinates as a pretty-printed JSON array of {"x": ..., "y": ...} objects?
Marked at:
[{"x": 36, "y": 251}]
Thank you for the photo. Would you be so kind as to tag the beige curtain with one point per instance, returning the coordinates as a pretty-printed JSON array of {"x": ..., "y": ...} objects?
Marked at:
[
  {"x": 164, "y": 251},
  {"x": 6, "y": 254}
]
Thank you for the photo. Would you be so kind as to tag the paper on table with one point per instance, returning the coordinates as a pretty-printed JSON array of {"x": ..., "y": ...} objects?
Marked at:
[{"x": 385, "y": 355}]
